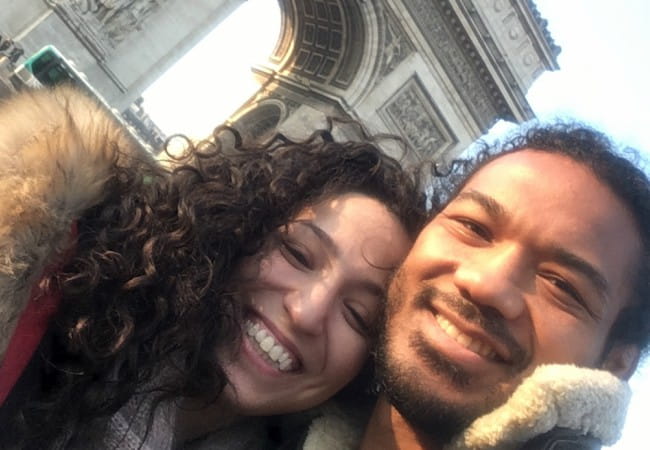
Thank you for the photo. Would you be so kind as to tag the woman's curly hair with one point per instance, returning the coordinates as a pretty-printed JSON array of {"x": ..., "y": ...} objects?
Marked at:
[{"x": 148, "y": 289}]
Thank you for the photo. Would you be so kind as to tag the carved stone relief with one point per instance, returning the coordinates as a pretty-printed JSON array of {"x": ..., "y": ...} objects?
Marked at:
[
  {"x": 106, "y": 22},
  {"x": 396, "y": 45},
  {"x": 440, "y": 26},
  {"x": 515, "y": 33},
  {"x": 413, "y": 115}
]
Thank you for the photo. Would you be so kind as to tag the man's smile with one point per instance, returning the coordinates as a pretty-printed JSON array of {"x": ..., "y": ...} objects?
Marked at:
[
  {"x": 475, "y": 345},
  {"x": 470, "y": 329}
]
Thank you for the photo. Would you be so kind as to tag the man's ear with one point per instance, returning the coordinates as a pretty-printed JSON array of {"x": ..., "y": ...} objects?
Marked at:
[{"x": 621, "y": 360}]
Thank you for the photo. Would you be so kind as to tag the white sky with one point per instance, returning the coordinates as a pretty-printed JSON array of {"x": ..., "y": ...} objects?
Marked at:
[
  {"x": 604, "y": 79},
  {"x": 214, "y": 79},
  {"x": 604, "y": 75}
]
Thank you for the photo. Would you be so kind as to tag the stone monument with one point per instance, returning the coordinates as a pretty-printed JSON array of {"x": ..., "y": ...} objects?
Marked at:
[
  {"x": 438, "y": 73},
  {"x": 121, "y": 46}
]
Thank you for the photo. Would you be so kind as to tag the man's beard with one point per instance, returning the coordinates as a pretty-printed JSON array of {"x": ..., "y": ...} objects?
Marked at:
[
  {"x": 417, "y": 402},
  {"x": 420, "y": 404}
]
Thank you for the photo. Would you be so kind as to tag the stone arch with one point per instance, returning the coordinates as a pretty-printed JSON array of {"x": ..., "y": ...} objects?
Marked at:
[
  {"x": 437, "y": 72},
  {"x": 261, "y": 120},
  {"x": 322, "y": 41}
]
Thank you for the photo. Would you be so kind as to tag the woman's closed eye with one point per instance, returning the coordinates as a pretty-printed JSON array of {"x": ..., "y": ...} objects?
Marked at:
[
  {"x": 296, "y": 254},
  {"x": 357, "y": 318}
]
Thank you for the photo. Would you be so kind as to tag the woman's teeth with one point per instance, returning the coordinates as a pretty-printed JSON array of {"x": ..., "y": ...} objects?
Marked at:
[
  {"x": 270, "y": 349},
  {"x": 469, "y": 343}
]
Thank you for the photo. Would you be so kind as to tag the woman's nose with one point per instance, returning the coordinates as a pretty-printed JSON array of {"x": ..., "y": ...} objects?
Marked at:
[
  {"x": 492, "y": 278},
  {"x": 309, "y": 306}
]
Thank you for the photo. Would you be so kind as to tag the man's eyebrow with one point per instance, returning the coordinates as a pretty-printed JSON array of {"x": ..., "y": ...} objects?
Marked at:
[
  {"x": 577, "y": 263},
  {"x": 494, "y": 209},
  {"x": 325, "y": 238}
]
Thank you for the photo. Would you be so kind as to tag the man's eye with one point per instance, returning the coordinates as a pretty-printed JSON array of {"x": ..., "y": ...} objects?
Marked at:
[
  {"x": 475, "y": 228},
  {"x": 296, "y": 255},
  {"x": 568, "y": 290}
]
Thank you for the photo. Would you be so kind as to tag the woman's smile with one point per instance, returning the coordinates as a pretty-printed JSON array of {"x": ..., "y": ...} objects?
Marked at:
[{"x": 269, "y": 346}]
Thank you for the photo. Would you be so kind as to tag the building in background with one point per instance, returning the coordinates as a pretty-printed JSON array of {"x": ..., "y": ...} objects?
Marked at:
[
  {"x": 438, "y": 73},
  {"x": 120, "y": 46}
]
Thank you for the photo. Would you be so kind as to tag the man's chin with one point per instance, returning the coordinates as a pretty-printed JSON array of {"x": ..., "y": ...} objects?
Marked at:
[
  {"x": 427, "y": 414},
  {"x": 434, "y": 398}
]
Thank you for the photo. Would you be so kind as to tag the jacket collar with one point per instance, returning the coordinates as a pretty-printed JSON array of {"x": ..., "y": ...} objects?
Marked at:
[{"x": 586, "y": 401}]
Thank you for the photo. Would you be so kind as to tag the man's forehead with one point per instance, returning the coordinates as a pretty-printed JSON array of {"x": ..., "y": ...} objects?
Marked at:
[
  {"x": 536, "y": 175},
  {"x": 524, "y": 161},
  {"x": 535, "y": 182}
]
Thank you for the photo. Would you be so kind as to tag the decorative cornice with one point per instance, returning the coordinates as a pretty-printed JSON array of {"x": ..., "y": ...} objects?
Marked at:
[
  {"x": 543, "y": 25},
  {"x": 467, "y": 71},
  {"x": 516, "y": 91}
]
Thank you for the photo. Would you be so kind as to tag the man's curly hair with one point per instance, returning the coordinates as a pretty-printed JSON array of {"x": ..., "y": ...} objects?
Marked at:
[{"x": 148, "y": 290}]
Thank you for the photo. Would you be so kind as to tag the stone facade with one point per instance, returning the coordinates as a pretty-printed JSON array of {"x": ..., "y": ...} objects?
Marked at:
[
  {"x": 438, "y": 73},
  {"x": 122, "y": 46}
]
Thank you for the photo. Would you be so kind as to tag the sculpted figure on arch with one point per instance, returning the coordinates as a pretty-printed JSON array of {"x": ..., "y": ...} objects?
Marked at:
[{"x": 523, "y": 306}]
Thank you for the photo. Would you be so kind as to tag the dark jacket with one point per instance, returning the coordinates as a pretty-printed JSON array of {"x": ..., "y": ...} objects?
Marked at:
[{"x": 562, "y": 439}]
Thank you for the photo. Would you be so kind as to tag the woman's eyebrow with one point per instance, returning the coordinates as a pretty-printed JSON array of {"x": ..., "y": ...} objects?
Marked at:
[
  {"x": 325, "y": 238},
  {"x": 369, "y": 286},
  {"x": 372, "y": 288}
]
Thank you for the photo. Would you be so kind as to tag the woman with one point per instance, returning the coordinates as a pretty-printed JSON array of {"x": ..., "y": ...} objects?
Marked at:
[{"x": 159, "y": 275}]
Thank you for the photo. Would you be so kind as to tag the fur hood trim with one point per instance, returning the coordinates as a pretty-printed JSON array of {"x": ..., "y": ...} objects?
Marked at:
[
  {"x": 335, "y": 429},
  {"x": 57, "y": 151},
  {"x": 588, "y": 401}
]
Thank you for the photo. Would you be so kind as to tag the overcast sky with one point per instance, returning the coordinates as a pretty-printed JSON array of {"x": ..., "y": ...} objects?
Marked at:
[
  {"x": 216, "y": 75},
  {"x": 604, "y": 74},
  {"x": 604, "y": 79}
]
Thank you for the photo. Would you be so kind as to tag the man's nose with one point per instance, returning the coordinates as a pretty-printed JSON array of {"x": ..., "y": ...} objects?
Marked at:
[
  {"x": 493, "y": 278},
  {"x": 309, "y": 307}
]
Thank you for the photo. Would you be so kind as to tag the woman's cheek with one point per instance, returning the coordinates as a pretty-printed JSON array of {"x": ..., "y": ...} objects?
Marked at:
[{"x": 350, "y": 354}]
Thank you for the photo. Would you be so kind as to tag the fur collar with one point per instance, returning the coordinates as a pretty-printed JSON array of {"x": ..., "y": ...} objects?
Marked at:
[
  {"x": 57, "y": 151},
  {"x": 588, "y": 401}
]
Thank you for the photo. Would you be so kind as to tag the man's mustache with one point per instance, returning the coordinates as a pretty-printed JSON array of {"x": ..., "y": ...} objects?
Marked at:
[{"x": 487, "y": 318}]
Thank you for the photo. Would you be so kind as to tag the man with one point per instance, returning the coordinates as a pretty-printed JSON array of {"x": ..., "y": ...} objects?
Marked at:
[{"x": 541, "y": 257}]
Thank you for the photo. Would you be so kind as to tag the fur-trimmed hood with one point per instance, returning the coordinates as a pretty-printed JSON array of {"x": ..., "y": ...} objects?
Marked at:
[
  {"x": 590, "y": 402},
  {"x": 57, "y": 150}
]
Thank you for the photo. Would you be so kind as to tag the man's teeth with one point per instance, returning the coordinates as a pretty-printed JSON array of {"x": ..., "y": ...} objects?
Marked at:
[
  {"x": 469, "y": 343},
  {"x": 271, "y": 349}
]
